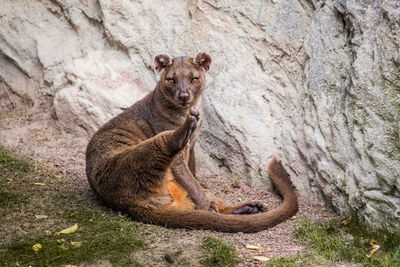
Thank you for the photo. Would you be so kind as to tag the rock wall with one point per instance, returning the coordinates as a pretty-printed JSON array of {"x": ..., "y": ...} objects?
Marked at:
[
  {"x": 316, "y": 83},
  {"x": 353, "y": 107}
]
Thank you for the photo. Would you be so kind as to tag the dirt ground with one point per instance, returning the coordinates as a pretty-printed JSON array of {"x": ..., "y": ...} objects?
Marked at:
[{"x": 31, "y": 132}]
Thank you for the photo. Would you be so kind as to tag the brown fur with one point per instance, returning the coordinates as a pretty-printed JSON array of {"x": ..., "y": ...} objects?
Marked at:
[{"x": 142, "y": 161}]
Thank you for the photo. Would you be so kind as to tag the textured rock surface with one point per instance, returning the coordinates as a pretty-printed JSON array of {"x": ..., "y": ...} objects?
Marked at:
[
  {"x": 353, "y": 107},
  {"x": 315, "y": 83}
]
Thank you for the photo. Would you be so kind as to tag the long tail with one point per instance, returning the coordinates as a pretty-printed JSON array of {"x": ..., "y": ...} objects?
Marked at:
[{"x": 200, "y": 219}]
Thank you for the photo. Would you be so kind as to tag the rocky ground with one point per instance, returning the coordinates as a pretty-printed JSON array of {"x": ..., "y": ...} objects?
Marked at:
[{"x": 31, "y": 132}]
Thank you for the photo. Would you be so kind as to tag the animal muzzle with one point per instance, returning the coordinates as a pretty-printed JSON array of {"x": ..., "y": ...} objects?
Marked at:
[{"x": 184, "y": 97}]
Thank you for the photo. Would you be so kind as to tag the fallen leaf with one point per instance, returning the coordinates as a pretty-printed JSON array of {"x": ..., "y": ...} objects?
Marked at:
[
  {"x": 346, "y": 221},
  {"x": 373, "y": 242},
  {"x": 39, "y": 184},
  {"x": 373, "y": 251},
  {"x": 76, "y": 244},
  {"x": 37, "y": 247},
  {"x": 375, "y": 247},
  {"x": 253, "y": 247},
  {"x": 69, "y": 230},
  {"x": 41, "y": 216},
  {"x": 59, "y": 176},
  {"x": 261, "y": 258}
]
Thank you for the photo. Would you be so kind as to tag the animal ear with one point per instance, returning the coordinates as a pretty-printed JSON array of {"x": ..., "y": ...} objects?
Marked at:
[
  {"x": 161, "y": 62},
  {"x": 203, "y": 60}
]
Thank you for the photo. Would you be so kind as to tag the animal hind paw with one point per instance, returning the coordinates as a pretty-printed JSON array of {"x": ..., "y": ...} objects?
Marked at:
[{"x": 251, "y": 208}]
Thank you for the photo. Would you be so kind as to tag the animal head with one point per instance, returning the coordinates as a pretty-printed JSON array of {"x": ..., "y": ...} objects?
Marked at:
[{"x": 182, "y": 78}]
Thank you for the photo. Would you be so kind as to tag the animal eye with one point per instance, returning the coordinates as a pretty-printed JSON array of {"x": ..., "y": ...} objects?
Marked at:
[
  {"x": 195, "y": 80},
  {"x": 171, "y": 81}
]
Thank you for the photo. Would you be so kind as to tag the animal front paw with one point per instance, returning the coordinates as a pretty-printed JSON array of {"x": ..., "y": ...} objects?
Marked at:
[
  {"x": 185, "y": 131},
  {"x": 193, "y": 118},
  {"x": 251, "y": 208}
]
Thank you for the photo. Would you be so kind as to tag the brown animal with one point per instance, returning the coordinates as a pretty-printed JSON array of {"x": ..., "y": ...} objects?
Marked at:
[{"x": 142, "y": 161}]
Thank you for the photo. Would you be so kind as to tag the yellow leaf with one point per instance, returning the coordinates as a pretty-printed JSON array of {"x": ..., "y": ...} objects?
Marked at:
[
  {"x": 41, "y": 216},
  {"x": 37, "y": 247},
  {"x": 39, "y": 184},
  {"x": 261, "y": 258},
  {"x": 373, "y": 250},
  {"x": 375, "y": 247},
  {"x": 253, "y": 247},
  {"x": 373, "y": 242},
  {"x": 76, "y": 244},
  {"x": 70, "y": 230}
]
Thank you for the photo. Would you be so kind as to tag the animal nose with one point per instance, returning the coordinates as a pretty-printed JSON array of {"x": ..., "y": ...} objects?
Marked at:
[{"x": 184, "y": 96}]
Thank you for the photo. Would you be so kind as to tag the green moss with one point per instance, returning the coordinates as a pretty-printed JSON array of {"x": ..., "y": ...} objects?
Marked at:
[{"x": 219, "y": 253}]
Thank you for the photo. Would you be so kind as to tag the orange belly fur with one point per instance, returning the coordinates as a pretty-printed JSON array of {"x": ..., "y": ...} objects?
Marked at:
[{"x": 181, "y": 200}]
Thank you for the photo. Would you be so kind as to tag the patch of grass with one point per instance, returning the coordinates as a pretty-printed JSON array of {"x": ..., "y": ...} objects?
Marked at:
[
  {"x": 286, "y": 261},
  {"x": 11, "y": 168},
  {"x": 333, "y": 241},
  {"x": 219, "y": 253},
  {"x": 9, "y": 197},
  {"x": 99, "y": 237},
  {"x": 10, "y": 165}
]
